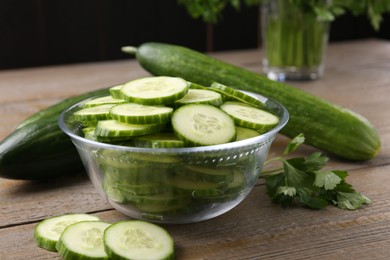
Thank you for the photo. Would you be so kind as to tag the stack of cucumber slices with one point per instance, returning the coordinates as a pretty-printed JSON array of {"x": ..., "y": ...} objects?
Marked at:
[
  {"x": 167, "y": 112},
  {"x": 84, "y": 236}
]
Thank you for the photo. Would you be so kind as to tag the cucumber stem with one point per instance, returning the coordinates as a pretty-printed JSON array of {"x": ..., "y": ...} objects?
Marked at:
[{"x": 129, "y": 50}]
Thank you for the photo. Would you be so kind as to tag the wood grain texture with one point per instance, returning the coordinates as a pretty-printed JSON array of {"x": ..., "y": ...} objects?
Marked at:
[{"x": 357, "y": 76}]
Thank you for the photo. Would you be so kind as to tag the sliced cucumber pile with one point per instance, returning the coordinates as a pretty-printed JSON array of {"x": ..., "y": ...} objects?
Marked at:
[
  {"x": 195, "y": 114},
  {"x": 168, "y": 186},
  {"x": 83, "y": 236},
  {"x": 168, "y": 112}
]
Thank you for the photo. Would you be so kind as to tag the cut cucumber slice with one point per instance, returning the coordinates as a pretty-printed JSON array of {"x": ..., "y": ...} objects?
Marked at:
[
  {"x": 115, "y": 91},
  {"x": 95, "y": 113},
  {"x": 200, "y": 96},
  {"x": 133, "y": 113},
  {"x": 122, "y": 182},
  {"x": 158, "y": 140},
  {"x": 154, "y": 90},
  {"x": 232, "y": 94},
  {"x": 238, "y": 183},
  {"x": 83, "y": 240},
  {"x": 230, "y": 192},
  {"x": 134, "y": 174},
  {"x": 245, "y": 133},
  {"x": 112, "y": 128},
  {"x": 156, "y": 160},
  {"x": 129, "y": 189},
  {"x": 195, "y": 188},
  {"x": 207, "y": 174},
  {"x": 90, "y": 135},
  {"x": 199, "y": 124},
  {"x": 88, "y": 129},
  {"x": 251, "y": 117},
  {"x": 106, "y": 100},
  {"x": 136, "y": 239},
  {"x": 48, "y": 231},
  {"x": 149, "y": 160},
  {"x": 197, "y": 86},
  {"x": 164, "y": 199}
]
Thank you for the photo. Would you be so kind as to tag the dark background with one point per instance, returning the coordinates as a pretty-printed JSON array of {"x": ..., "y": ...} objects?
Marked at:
[{"x": 51, "y": 32}]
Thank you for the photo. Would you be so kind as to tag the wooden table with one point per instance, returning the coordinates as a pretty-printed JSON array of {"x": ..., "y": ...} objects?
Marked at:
[{"x": 357, "y": 76}]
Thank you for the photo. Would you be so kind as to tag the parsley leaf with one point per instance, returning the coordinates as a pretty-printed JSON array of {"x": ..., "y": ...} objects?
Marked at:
[
  {"x": 210, "y": 11},
  {"x": 300, "y": 181},
  {"x": 327, "y": 180},
  {"x": 351, "y": 200},
  {"x": 294, "y": 144}
]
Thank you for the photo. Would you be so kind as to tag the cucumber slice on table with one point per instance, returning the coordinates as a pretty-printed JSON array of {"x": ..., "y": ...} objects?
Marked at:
[
  {"x": 135, "y": 239},
  {"x": 154, "y": 90},
  {"x": 248, "y": 116},
  {"x": 111, "y": 128},
  {"x": 200, "y": 96},
  {"x": 48, "y": 232},
  {"x": 133, "y": 113},
  {"x": 200, "y": 124},
  {"x": 83, "y": 240}
]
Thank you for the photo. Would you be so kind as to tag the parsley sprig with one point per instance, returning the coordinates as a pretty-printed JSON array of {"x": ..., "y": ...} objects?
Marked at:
[
  {"x": 210, "y": 11},
  {"x": 302, "y": 181}
]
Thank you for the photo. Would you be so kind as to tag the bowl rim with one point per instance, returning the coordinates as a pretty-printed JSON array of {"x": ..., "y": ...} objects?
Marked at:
[{"x": 283, "y": 119}]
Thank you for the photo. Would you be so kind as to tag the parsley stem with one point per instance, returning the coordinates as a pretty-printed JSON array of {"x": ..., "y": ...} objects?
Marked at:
[{"x": 272, "y": 171}]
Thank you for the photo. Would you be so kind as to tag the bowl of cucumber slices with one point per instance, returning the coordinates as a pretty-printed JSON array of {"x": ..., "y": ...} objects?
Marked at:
[{"x": 169, "y": 151}]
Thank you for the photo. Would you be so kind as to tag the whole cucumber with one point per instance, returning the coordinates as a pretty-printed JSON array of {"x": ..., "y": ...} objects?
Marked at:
[
  {"x": 331, "y": 128},
  {"x": 38, "y": 149}
]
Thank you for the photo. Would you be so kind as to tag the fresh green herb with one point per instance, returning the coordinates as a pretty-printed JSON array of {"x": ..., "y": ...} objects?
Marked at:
[
  {"x": 302, "y": 181},
  {"x": 373, "y": 9},
  {"x": 294, "y": 35},
  {"x": 210, "y": 10}
]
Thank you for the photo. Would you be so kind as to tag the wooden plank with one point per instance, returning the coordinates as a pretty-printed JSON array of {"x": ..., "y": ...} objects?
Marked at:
[
  {"x": 66, "y": 80},
  {"x": 256, "y": 229},
  {"x": 259, "y": 229},
  {"x": 29, "y": 201},
  {"x": 27, "y": 91}
]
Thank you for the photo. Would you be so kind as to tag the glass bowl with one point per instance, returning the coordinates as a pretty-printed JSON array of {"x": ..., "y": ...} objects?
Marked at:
[{"x": 174, "y": 185}]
